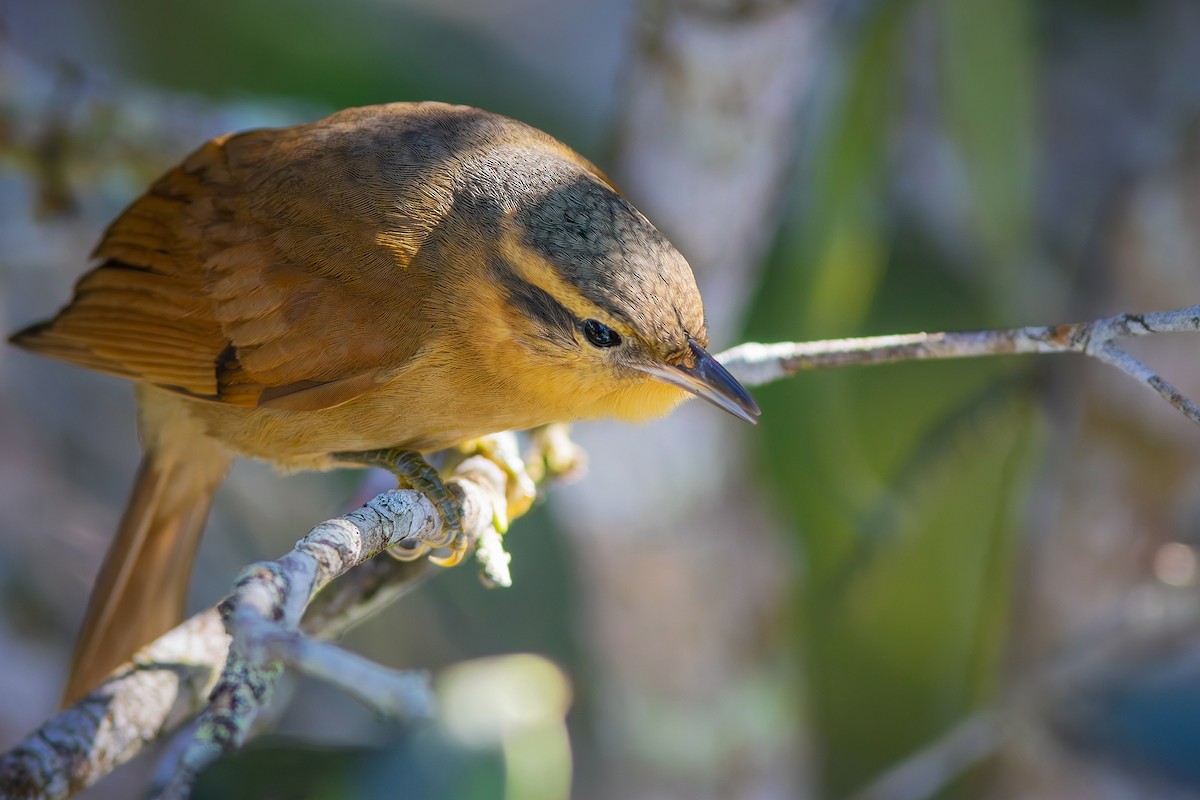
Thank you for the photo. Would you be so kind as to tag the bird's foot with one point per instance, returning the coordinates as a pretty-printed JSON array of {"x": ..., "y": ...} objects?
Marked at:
[
  {"x": 412, "y": 471},
  {"x": 551, "y": 455}
]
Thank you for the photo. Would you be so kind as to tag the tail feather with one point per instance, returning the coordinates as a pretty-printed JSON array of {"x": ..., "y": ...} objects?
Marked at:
[{"x": 142, "y": 585}]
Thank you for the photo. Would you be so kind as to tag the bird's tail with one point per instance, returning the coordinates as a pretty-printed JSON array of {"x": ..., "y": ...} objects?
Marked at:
[{"x": 140, "y": 591}]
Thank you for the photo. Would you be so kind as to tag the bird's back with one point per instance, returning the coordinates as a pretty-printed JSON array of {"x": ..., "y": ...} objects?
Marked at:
[{"x": 281, "y": 263}]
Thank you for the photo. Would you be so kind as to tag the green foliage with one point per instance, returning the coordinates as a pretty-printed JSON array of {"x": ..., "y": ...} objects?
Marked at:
[
  {"x": 904, "y": 483},
  {"x": 418, "y": 767},
  {"x": 339, "y": 54},
  {"x": 987, "y": 67}
]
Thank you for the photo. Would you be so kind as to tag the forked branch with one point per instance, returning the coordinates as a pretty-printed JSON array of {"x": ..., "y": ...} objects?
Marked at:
[
  {"x": 756, "y": 364},
  {"x": 274, "y": 612},
  {"x": 224, "y": 662}
]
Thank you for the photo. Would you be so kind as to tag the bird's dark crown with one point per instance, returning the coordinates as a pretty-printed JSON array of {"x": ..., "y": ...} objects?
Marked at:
[{"x": 600, "y": 248}]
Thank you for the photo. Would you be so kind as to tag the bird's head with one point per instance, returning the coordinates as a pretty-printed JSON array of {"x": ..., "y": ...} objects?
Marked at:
[{"x": 607, "y": 307}]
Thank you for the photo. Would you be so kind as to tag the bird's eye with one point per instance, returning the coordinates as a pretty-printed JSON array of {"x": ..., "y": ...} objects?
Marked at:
[{"x": 600, "y": 334}]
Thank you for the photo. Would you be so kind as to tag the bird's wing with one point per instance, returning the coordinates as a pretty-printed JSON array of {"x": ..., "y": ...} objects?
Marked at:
[{"x": 273, "y": 267}]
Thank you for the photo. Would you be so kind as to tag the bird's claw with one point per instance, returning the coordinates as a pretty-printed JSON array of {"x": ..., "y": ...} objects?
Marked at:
[
  {"x": 414, "y": 472},
  {"x": 555, "y": 454},
  {"x": 453, "y": 538}
]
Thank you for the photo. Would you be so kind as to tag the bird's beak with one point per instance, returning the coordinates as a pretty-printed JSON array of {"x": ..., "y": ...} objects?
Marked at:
[{"x": 708, "y": 380}]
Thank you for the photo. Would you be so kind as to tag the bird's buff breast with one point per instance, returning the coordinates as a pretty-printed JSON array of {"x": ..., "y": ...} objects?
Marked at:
[
  {"x": 300, "y": 440},
  {"x": 409, "y": 414}
]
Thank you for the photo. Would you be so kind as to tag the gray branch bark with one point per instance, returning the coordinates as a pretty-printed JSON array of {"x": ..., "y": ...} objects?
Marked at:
[{"x": 275, "y": 617}]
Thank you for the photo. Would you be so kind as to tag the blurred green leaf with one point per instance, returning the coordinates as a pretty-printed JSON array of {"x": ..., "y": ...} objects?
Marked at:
[
  {"x": 904, "y": 482},
  {"x": 834, "y": 256},
  {"x": 340, "y": 54},
  {"x": 421, "y": 766},
  {"x": 987, "y": 67}
]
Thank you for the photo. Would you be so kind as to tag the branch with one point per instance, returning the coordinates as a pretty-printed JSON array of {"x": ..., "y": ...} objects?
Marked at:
[
  {"x": 757, "y": 364},
  {"x": 170, "y": 680},
  {"x": 927, "y": 772},
  {"x": 1046, "y": 699},
  {"x": 275, "y": 610}
]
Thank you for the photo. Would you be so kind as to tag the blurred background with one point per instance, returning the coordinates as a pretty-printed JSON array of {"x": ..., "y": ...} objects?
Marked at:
[{"x": 969, "y": 579}]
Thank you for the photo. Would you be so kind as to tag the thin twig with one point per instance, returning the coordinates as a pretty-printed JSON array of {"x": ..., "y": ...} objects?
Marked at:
[
  {"x": 757, "y": 364},
  {"x": 940, "y": 762},
  {"x": 264, "y": 612},
  {"x": 168, "y": 680},
  {"x": 1043, "y": 699}
]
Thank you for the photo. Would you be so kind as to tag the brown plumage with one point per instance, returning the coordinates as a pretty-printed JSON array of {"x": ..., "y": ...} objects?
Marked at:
[{"x": 408, "y": 276}]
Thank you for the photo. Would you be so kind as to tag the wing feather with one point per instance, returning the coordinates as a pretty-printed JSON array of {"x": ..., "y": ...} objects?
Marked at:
[{"x": 272, "y": 267}]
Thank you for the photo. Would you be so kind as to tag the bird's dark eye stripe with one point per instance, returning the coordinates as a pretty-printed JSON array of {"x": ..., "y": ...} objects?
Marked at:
[
  {"x": 600, "y": 334},
  {"x": 536, "y": 304}
]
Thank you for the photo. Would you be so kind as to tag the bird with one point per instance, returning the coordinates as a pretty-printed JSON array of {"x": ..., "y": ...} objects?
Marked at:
[{"x": 383, "y": 283}]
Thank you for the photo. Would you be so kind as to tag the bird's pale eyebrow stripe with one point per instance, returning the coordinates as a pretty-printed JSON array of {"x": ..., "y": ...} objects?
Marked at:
[
  {"x": 533, "y": 301},
  {"x": 533, "y": 266},
  {"x": 605, "y": 303},
  {"x": 572, "y": 229}
]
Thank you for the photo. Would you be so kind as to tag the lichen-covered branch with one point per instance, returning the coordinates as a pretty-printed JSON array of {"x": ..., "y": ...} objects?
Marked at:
[
  {"x": 166, "y": 684},
  {"x": 174, "y": 677},
  {"x": 756, "y": 364},
  {"x": 266, "y": 624}
]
